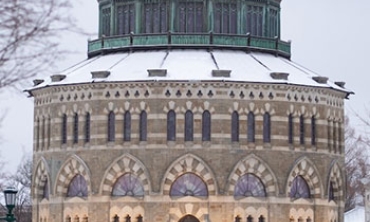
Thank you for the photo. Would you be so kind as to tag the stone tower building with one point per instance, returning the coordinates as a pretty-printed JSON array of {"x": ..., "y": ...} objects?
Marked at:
[{"x": 188, "y": 111}]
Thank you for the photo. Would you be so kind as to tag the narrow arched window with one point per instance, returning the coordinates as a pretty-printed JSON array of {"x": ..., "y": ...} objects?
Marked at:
[
  {"x": 64, "y": 129},
  {"x": 75, "y": 128},
  {"x": 128, "y": 185},
  {"x": 143, "y": 126},
  {"x": 49, "y": 131},
  {"x": 225, "y": 17},
  {"x": 189, "y": 184},
  {"x": 331, "y": 191},
  {"x": 329, "y": 134},
  {"x": 37, "y": 134},
  {"x": 251, "y": 127},
  {"x": 235, "y": 127},
  {"x": 125, "y": 14},
  {"x": 77, "y": 187},
  {"x": 116, "y": 218},
  {"x": 155, "y": 17},
  {"x": 206, "y": 126},
  {"x": 171, "y": 125},
  {"x": 249, "y": 185},
  {"x": 266, "y": 128},
  {"x": 301, "y": 130},
  {"x": 254, "y": 20},
  {"x": 299, "y": 188},
  {"x": 190, "y": 16},
  {"x": 290, "y": 129},
  {"x": 87, "y": 127},
  {"x": 45, "y": 190},
  {"x": 127, "y": 126},
  {"x": 313, "y": 130},
  {"x": 335, "y": 136},
  {"x": 261, "y": 219},
  {"x": 111, "y": 126},
  {"x": 43, "y": 133},
  {"x": 249, "y": 218},
  {"x": 339, "y": 137},
  {"x": 68, "y": 219},
  {"x": 189, "y": 126}
]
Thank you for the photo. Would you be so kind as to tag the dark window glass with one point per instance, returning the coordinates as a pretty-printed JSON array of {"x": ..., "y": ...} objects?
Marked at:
[
  {"x": 128, "y": 185},
  {"x": 111, "y": 126},
  {"x": 106, "y": 16},
  {"x": 254, "y": 20},
  {"x": 301, "y": 130},
  {"x": 87, "y": 127},
  {"x": 266, "y": 128},
  {"x": 190, "y": 17},
  {"x": 235, "y": 127},
  {"x": 43, "y": 133},
  {"x": 171, "y": 126},
  {"x": 75, "y": 128},
  {"x": 155, "y": 17},
  {"x": 339, "y": 137},
  {"x": 37, "y": 134},
  {"x": 45, "y": 190},
  {"x": 290, "y": 129},
  {"x": 249, "y": 218},
  {"x": 77, "y": 187},
  {"x": 299, "y": 188},
  {"x": 273, "y": 23},
  {"x": 143, "y": 126},
  {"x": 127, "y": 126},
  {"x": 64, "y": 129},
  {"x": 261, "y": 219},
  {"x": 49, "y": 131},
  {"x": 251, "y": 128},
  {"x": 249, "y": 185},
  {"x": 334, "y": 136},
  {"x": 188, "y": 184},
  {"x": 125, "y": 18},
  {"x": 313, "y": 130},
  {"x": 189, "y": 126},
  {"x": 206, "y": 126},
  {"x": 188, "y": 218},
  {"x": 225, "y": 17},
  {"x": 331, "y": 191}
]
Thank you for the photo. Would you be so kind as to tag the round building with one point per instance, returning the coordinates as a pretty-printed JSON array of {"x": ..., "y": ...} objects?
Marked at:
[{"x": 188, "y": 111}]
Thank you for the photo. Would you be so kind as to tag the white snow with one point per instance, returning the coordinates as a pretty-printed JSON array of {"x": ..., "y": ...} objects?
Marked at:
[{"x": 355, "y": 215}]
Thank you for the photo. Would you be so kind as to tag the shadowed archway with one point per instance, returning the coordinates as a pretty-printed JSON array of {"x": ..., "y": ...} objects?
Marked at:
[{"x": 189, "y": 218}]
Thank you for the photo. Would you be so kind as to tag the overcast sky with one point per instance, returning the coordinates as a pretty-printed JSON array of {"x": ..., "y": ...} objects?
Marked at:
[{"x": 330, "y": 37}]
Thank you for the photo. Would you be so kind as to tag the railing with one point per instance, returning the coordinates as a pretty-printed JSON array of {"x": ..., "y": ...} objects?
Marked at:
[{"x": 187, "y": 40}]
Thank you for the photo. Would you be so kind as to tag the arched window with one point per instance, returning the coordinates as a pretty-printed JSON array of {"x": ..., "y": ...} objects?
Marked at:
[
  {"x": 111, "y": 126},
  {"x": 335, "y": 136},
  {"x": 266, "y": 128},
  {"x": 301, "y": 130},
  {"x": 331, "y": 191},
  {"x": 64, "y": 129},
  {"x": 313, "y": 130},
  {"x": 251, "y": 127},
  {"x": 77, "y": 187},
  {"x": 49, "y": 131},
  {"x": 75, "y": 128},
  {"x": 171, "y": 125},
  {"x": 143, "y": 126},
  {"x": 299, "y": 188},
  {"x": 189, "y": 126},
  {"x": 116, "y": 218},
  {"x": 190, "y": 16},
  {"x": 125, "y": 14},
  {"x": 206, "y": 126},
  {"x": 87, "y": 127},
  {"x": 329, "y": 134},
  {"x": 235, "y": 127},
  {"x": 189, "y": 184},
  {"x": 68, "y": 219},
  {"x": 127, "y": 126},
  {"x": 155, "y": 17},
  {"x": 238, "y": 218},
  {"x": 249, "y": 185},
  {"x": 105, "y": 21},
  {"x": 128, "y": 185},
  {"x": 249, "y": 218},
  {"x": 308, "y": 219},
  {"x": 290, "y": 129},
  {"x": 300, "y": 219},
  {"x": 254, "y": 20},
  {"x": 261, "y": 219},
  {"x": 273, "y": 23},
  {"x": 189, "y": 218},
  {"x": 45, "y": 190},
  {"x": 37, "y": 134},
  {"x": 339, "y": 137},
  {"x": 225, "y": 17},
  {"x": 43, "y": 132}
]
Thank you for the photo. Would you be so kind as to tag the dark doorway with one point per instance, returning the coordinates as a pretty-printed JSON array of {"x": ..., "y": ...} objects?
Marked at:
[{"x": 189, "y": 218}]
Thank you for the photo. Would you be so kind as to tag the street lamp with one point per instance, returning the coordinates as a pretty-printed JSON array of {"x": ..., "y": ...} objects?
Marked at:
[{"x": 10, "y": 196}]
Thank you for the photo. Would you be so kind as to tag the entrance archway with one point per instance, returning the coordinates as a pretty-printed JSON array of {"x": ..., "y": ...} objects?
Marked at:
[{"x": 189, "y": 218}]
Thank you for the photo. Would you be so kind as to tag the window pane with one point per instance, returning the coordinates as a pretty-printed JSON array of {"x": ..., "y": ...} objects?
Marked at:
[
  {"x": 64, "y": 129},
  {"x": 77, "y": 187},
  {"x": 266, "y": 128},
  {"x": 143, "y": 125},
  {"x": 111, "y": 126},
  {"x": 313, "y": 130},
  {"x": 189, "y": 184},
  {"x": 106, "y": 16},
  {"x": 235, "y": 127},
  {"x": 128, "y": 185},
  {"x": 290, "y": 130},
  {"x": 189, "y": 122},
  {"x": 127, "y": 126},
  {"x": 171, "y": 126},
  {"x": 299, "y": 188},
  {"x": 87, "y": 128},
  {"x": 75, "y": 129},
  {"x": 249, "y": 185},
  {"x": 301, "y": 129},
  {"x": 206, "y": 126},
  {"x": 251, "y": 127}
]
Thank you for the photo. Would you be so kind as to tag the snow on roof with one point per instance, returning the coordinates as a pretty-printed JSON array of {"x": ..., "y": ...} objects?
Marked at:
[
  {"x": 355, "y": 215},
  {"x": 189, "y": 65}
]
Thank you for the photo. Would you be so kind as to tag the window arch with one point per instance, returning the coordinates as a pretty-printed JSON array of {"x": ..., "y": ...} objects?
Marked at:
[
  {"x": 128, "y": 185},
  {"x": 38, "y": 134},
  {"x": 43, "y": 133},
  {"x": 77, "y": 187},
  {"x": 251, "y": 127},
  {"x": 254, "y": 20},
  {"x": 301, "y": 130},
  {"x": 64, "y": 129},
  {"x": 87, "y": 127},
  {"x": 299, "y": 188},
  {"x": 190, "y": 16},
  {"x": 188, "y": 184},
  {"x": 206, "y": 126},
  {"x": 290, "y": 129},
  {"x": 249, "y": 185},
  {"x": 127, "y": 126},
  {"x": 143, "y": 126},
  {"x": 313, "y": 130},
  {"x": 225, "y": 17},
  {"x": 125, "y": 14},
  {"x": 111, "y": 126},
  {"x": 171, "y": 125},
  {"x": 155, "y": 17},
  {"x": 189, "y": 126},
  {"x": 235, "y": 127},
  {"x": 266, "y": 128},
  {"x": 75, "y": 128}
]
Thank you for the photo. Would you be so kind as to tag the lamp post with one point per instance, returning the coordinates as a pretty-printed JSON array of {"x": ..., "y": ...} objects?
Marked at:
[{"x": 10, "y": 196}]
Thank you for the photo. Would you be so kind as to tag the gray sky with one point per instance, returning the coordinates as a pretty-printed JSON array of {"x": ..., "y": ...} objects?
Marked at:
[{"x": 330, "y": 37}]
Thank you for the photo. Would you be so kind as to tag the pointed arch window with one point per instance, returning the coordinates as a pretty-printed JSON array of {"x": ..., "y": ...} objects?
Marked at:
[
  {"x": 188, "y": 184},
  {"x": 299, "y": 188},
  {"x": 249, "y": 185},
  {"x": 225, "y": 17},
  {"x": 37, "y": 134},
  {"x": 190, "y": 16},
  {"x": 261, "y": 219},
  {"x": 313, "y": 130},
  {"x": 64, "y": 129},
  {"x": 266, "y": 128},
  {"x": 335, "y": 136},
  {"x": 77, "y": 187},
  {"x": 49, "y": 131},
  {"x": 301, "y": 130},
  {"x": 111, "y": 126},
  {"x": 249, "y": 218},
  {"x": 251, "y": 127},
  {"x": 143, "y": 126},
  {"x": 127, "y": 126},
  {"x": 339, "y": 137},
  {"x": 290, "y": 128},
  {"x": 206, "y": 126},
  {"x": 171, "y": 125},
  {"x": 329, "y": 134},
  {"x": 189, "y": 126},
  {"x": 128, "y": 185},
  {"x": 43, "y": 133},
  {"x": 273, "y": 23},
  {"x": 45, "y": 190},
  {"x": 125, "y": 18},
  {"x": 254, "y": 20},
  {"x": 331, "y": 191},
  {"x": 87, "y": 127},
  {"x": 235, "y": 127},
  {"x": 105, "y": 21},
  {"x": 68, "y": 219},
  {"x": 155, "y": 17},
  {"x": 75, "y": 128}
]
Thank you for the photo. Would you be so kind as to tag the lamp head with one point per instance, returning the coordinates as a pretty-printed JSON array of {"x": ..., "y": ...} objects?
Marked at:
[{"x": 10, "y": 194}]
